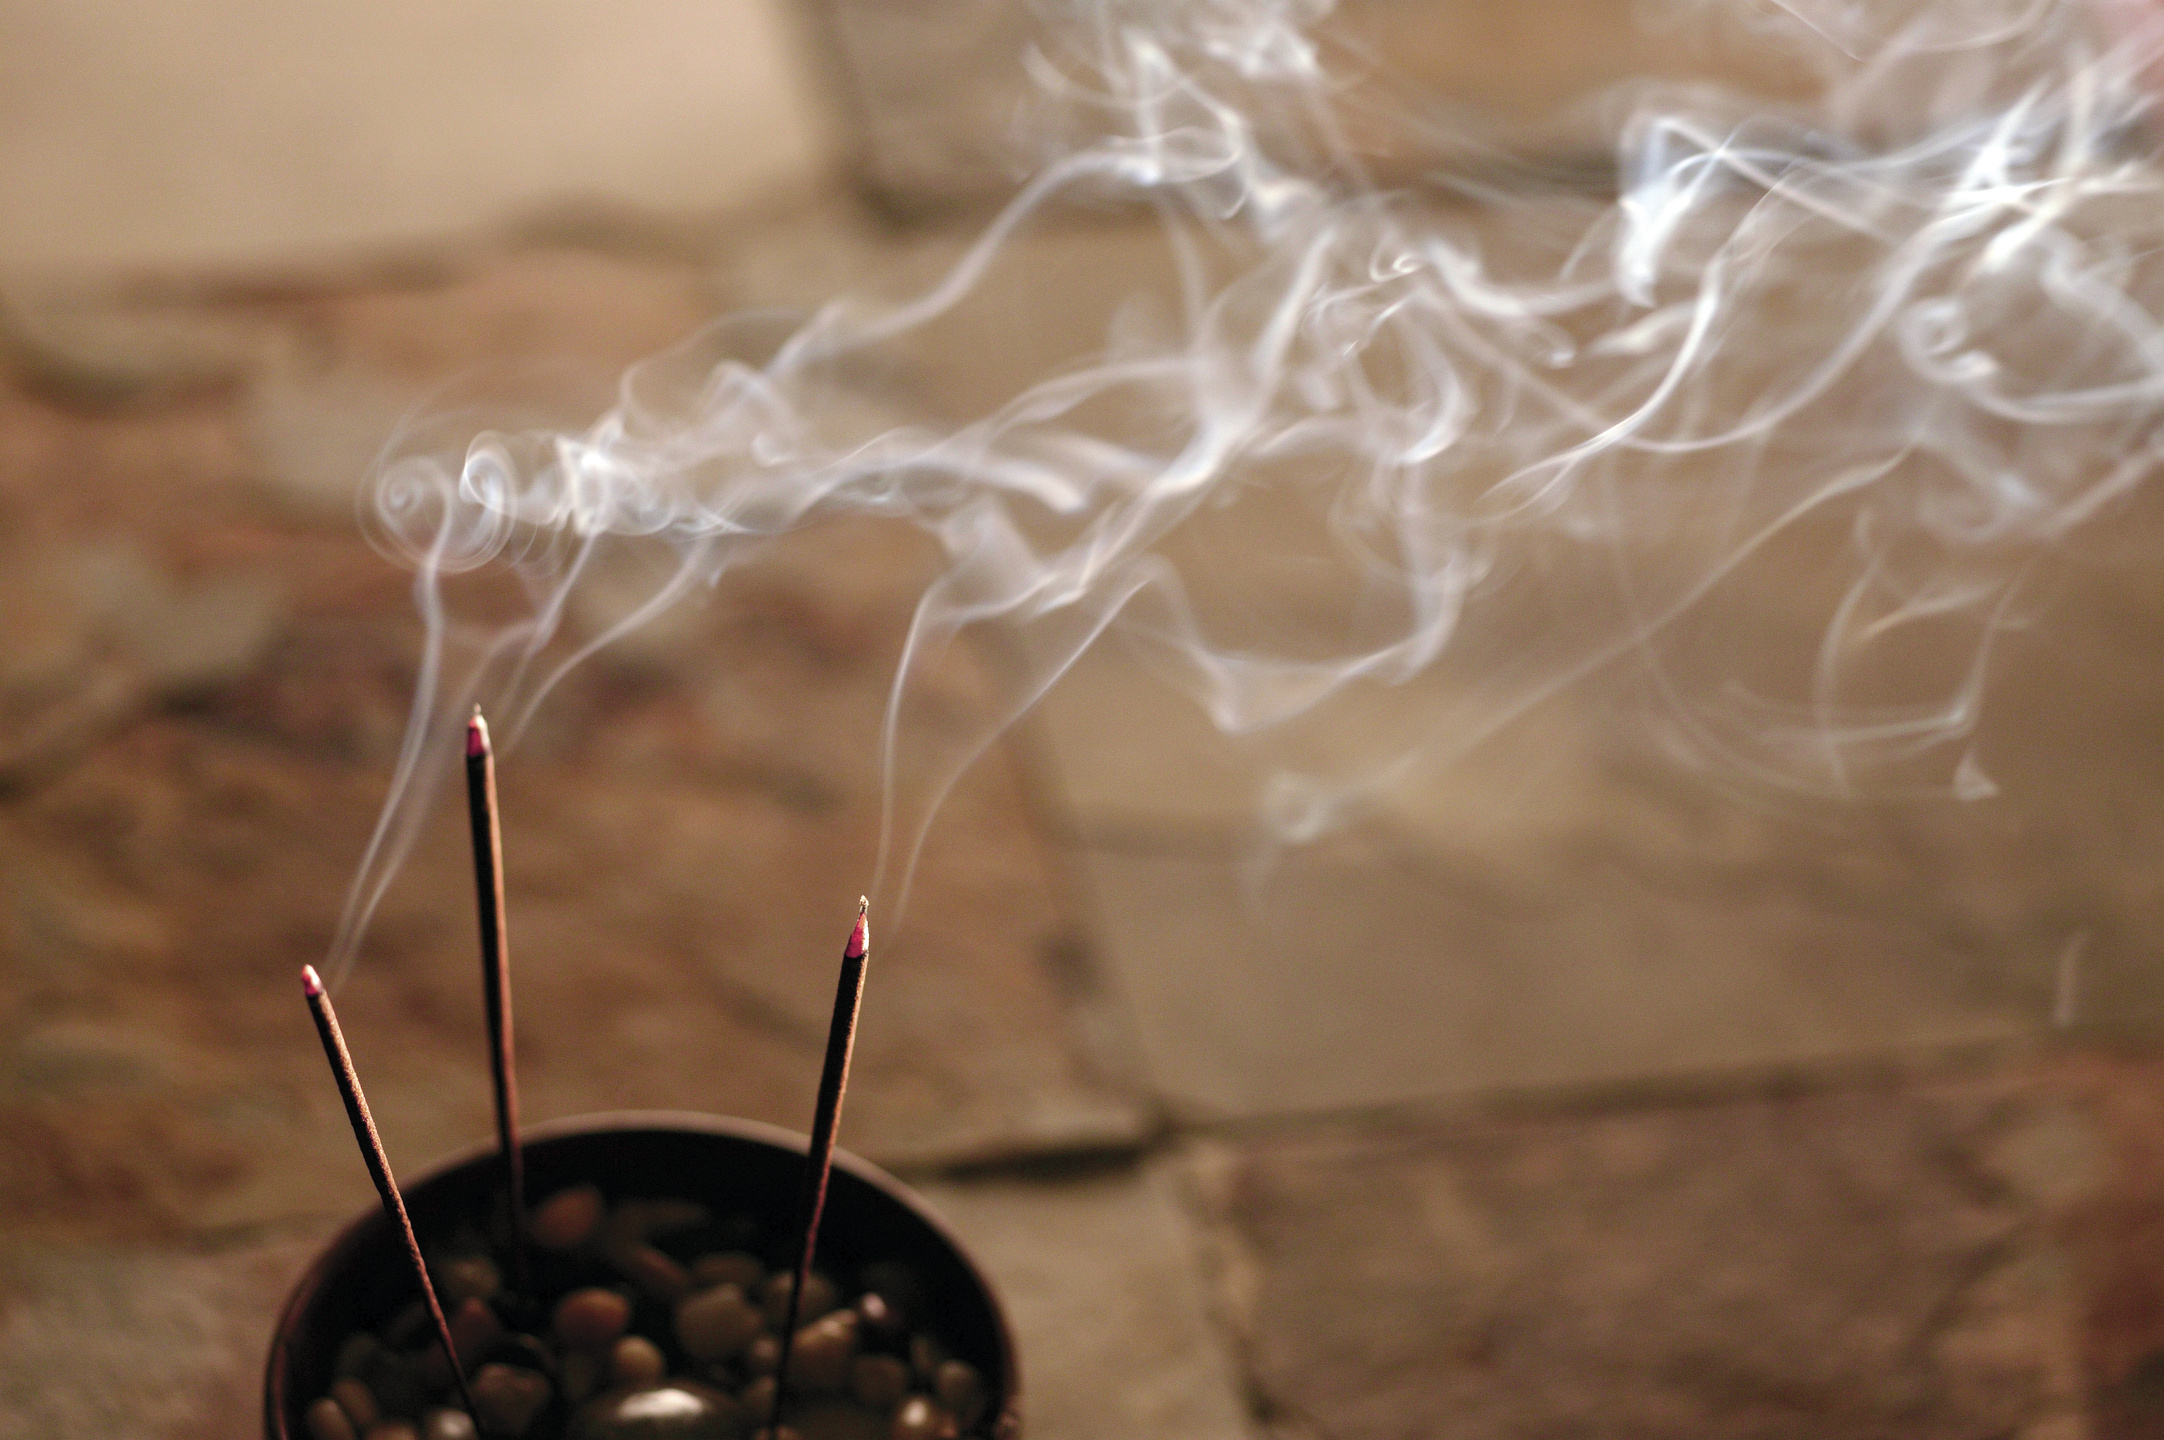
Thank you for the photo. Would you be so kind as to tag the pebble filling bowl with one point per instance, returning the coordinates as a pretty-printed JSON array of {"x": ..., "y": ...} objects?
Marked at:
[{"x": 650, "y": 1319}]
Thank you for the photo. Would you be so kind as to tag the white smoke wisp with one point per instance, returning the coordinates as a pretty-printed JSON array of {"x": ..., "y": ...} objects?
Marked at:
[{"x": 1900, "y": 329}]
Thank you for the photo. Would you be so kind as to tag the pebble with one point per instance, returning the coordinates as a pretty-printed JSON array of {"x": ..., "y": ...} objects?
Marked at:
[
  {"x": 358, "y": 1355},
  {"x": 732, "y": 1267},
  {"x": 327, "y": 1421},
  {"x": 660, "y": 1277},
  {"x": 819, "y": 1298},
  {"x": 717, "y": 1323},
  {"x": 926, "y": 1355},
  {"x": 469, "y": 1277},
  {"x": 898, "y": 1285},
  {"x": 634, "y": 1222},
  {"x": 442, "y": 1424},
  {"x": 763, "y": 1355},
  {"x": 358, "y": 1401},
  {"x": 920, "y": 1419},
  {"x": 509, "y": 1397},
  {"x": 958, "y": 1386},
  {"x": 636, "y": 1364},
  {"x": 757, "y": 1398},
  {"x": 883, "y": 1324},
  {"x": 668, "y": 1216},
  {"x": 473, "y": 1327},
  {"x": 679, "y": 1410},
  {"x": 409, "y": 1327},
  {"x": 393, "y": 1430},
  {"x": 820, "y": 1358},
  {"x": 567, "y": 1219},
  {"x": 879, "y": 1382},
  {"x": 592, "y": 1318}
]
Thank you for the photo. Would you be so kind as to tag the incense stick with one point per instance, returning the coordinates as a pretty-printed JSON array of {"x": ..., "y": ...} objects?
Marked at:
[
  {"x": 379, "y": 1165},
  {"x": 487, "y": 829},
  {"x": 833, "y": 1080}
]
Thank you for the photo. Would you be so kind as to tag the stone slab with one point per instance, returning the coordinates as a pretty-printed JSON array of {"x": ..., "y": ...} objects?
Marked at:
[
  {"x": 1357, "y": 974},
  {"x": 1099, "y": 1270},
  {"x": 1555, "y": 891},
  {"x": 240, "y": 134},
  {"x": 158, "y": 1342},
  {"x": 1918, "y": 1260},
  {"x": 685, "y": 841},
  {"x": 945, "y": 107}
]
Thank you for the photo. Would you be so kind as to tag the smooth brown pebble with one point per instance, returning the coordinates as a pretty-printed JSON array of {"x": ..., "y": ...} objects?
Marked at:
[
  {"x": 679, "y": 1410},
  {"x": 567, "y": 1219},
  {"x": 879, "y": 1382},
  {"x": 819, "y": 1360},
  {"x": 469, "y": 1277},
  {"x": 819, "y": 1298},
  {"x": 717, "y": 1323},
  {"x": 881, "y": 1319},
  {"x": 358, "y": 1401},
  {"x": 442, "y": 1424},
  {"x": 509, "y": 1397},
  {"x": 926, "y": 1355},
  {"x": 730, "y": 1267},
  {"x": 327, "y": 1421},
  {"x": 473, "y": 1327},
  {"x": 666, "y": 1217},
  {"x": 763, "y": 1355},
  {"x": 636, "y": 1364},
  {"x": 959, "y": 1387},
  {"x": 434, "y": 1367},
  {"x": 635, "y": 1221},
  {"x": 658, "y": 1276},
  {"x": 393, "y": 1430},
  {"x": 358, "y": 1356},
  {"x": 592, "y": 1318},
  {"x": 757, "y": 1398},
  {"x": 920, "y": 1419},
  {"x": 409, "y": 1327}
]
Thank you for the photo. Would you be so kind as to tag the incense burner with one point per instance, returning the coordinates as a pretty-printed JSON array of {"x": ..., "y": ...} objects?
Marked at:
[{"x": 738, "y": 1166}]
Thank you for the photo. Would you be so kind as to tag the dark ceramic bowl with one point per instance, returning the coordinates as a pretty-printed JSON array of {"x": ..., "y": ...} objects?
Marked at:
[{"x": 732, "y": 1166}]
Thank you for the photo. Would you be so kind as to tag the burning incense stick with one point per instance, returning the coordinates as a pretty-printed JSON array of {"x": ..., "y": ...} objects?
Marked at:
[
  {"x": 496, "y": 976},
  {"x": 833, "y": 1080},
  {"x": 379, "y": 1165}
]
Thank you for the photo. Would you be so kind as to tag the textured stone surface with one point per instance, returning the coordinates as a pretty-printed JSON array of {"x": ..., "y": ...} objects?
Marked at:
[
  {"x": 687, "y": 824},
  {"x": 138, "y": 1340},
  {"x": 1360, "y": 973},
  {"x": 1098, "y": 1269},
  {"x": 945, "y": 109},
  {"x": 143, "y": 141},
  {"x": 1904, "y": 1261}
]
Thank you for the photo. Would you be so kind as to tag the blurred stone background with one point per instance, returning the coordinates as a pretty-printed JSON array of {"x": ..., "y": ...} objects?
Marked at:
[{"x": 1575, "y": 1095}]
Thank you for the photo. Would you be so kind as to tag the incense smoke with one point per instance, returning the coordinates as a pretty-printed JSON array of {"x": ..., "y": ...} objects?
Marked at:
[{"x": 1898, "y": 330}]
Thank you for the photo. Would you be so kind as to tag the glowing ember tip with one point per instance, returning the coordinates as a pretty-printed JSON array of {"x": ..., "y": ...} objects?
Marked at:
[
  {"x": 860, "y": 938},
  {"x": 476, "y": 735},
  {"x": 311, "y": 983}
]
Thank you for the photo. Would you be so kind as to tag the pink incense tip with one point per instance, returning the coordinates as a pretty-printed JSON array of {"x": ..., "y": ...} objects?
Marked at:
[
  {"x": 311, "y": 983},
  {"x": 860, "y": 939},
  {"x": 476, "y": 735}
]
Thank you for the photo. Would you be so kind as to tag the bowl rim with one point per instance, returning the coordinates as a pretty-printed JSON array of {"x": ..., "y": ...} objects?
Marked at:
[{"x": 1005, "y": 1426}]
